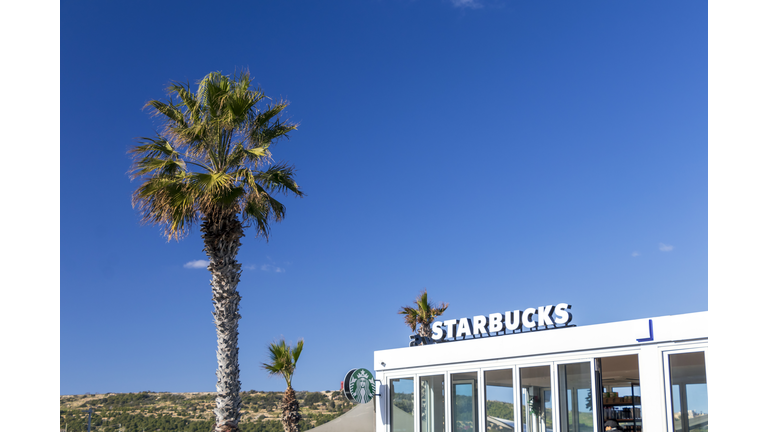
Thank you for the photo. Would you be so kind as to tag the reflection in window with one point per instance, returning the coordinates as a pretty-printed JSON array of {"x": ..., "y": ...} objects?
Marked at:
[
  {"x": 576, "y": 407},
  {"x": 536, "y": 390},
  {"x": 688, "y": 376},
  {"x": 499, "y": 401},
  {"x": 464, "y": 401},
  {"x": 432, "y": 399},
  {"x": 402, "y": 404}
]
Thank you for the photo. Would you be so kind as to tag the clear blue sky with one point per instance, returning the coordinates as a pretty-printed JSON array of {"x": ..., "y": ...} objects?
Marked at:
[{"x": 500, "y": 154}]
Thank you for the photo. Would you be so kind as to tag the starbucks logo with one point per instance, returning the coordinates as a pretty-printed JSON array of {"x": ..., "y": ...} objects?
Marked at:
[{"x": 359, "y": 386}]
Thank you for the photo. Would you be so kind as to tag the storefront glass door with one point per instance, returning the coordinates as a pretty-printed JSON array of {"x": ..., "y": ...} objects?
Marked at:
[
  {"x": 688, "y": 379},
  {"x": 464, "y": 402},
  {"x": 576, "y": 398},
  {"x": 401, "y": 399},
  {"x": 432, "y": 400},
  {"x": 621, "y": 396},
  {"x": 536, "y": 400},
  {"x": 499, "y": 400}
]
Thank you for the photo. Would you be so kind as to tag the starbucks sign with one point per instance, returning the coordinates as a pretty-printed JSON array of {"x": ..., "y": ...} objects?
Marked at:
[
  {"x": 494, "y": 324},
  {"x": 358, "y": 386}
]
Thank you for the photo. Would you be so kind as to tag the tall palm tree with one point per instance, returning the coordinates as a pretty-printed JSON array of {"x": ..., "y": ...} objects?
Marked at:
[
  {"x": 423, "y": 315},
  {"x": 283, "y": 361},
  {"x": 211, "y": 164}
]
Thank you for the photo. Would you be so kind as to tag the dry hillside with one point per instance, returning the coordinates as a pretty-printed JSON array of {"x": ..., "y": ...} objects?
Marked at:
[{"x": 190, "y": 412}]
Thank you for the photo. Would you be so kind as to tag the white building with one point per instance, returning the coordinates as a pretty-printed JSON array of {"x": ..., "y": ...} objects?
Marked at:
[{"x": 543, "y": 377}]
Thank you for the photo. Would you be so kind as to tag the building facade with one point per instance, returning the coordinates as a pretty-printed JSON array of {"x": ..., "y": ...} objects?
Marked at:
[{"x": 645, "y": 375}]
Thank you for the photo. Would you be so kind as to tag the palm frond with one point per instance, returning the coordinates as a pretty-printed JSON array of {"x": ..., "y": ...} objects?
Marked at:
[
  {"x": 156, "y": 156},
  {"x": 283, "y": 359},
  {"x": 154, "y": 147},
  {"x": 261, "y": 208},
  {"x": 423, "y": 314},
  {"x": 278, "y": 178},
  {"x": 170, "y": 111},
  {"x": 411, "y": 317},
  {"x": 213, "y": 155},
  {"x": 164, "y": 167},
  {"x": 212, "y": 183},
  {"x": 276, "y": 130},
  {"x": 267, "y": 127},
  {"x": 168, "y": 202},
  {"x": 186, "y": 96},
  {"x": 297, "y": 351},
  {"x": 258, "y": 155},
  {"x": 230, "y": 196}
]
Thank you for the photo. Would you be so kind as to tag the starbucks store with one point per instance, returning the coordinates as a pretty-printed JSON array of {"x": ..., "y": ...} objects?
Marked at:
[{"x": 532, "y": 371}]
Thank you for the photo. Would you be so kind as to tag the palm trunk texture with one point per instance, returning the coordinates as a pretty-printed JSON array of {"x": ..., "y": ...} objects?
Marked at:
[
  {"x": 291, "y": 416},
  {"x": 425, "y": 331},
  {"x": 221, "y": 235}
]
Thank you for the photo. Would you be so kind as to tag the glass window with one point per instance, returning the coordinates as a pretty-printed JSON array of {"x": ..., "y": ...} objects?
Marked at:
[
  {"x": 688, "y": 377},
  {"x": 499, "y": 401},
  {"x": 575, "y": 397},
  {"x": 464, "y": 402},
  {"x": 621, "y": 395},
  {"x": 432, "y": 400},
  {"x": 536, "y": 400},
  {"x": 401, "y": 397}
]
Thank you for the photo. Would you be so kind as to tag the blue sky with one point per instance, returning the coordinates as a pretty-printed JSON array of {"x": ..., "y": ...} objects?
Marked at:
[{"x": 500, "y": 154}]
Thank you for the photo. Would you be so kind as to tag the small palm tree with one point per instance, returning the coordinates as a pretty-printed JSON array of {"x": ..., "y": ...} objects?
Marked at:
[
  {"x": 423, "y": 315},
  {"x": 211, "y": 165},
  {"x": 283, "y": 361}
]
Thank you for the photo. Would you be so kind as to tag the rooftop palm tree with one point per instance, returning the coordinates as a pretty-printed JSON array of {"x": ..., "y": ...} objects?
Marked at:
[
  {"x": 211, "y": 164},
  {"x": 283, "y": 361},
  {"x": 423, "y": 314}
]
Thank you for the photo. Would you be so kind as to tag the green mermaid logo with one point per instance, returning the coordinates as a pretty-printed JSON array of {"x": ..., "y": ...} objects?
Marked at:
[{"x": 362, "y": 386}]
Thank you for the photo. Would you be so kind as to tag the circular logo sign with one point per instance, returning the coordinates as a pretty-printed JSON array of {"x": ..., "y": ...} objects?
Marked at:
[{"x": 359, "y": 385}]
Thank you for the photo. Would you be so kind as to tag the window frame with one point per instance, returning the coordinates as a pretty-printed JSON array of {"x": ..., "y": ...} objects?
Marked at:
[
  {"x": 483, "y": 414},
  {"x": 667, "y": 374}
]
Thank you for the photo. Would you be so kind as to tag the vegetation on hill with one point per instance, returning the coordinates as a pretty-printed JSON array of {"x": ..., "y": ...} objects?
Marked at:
[
  {"x": 191, "y": 412},
  {"x": 504, "y": 410}
]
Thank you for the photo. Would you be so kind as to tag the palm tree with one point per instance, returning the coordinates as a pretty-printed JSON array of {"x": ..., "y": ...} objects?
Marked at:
[
  {"x": 423, "y": 314},
  {"x": 283, "y": 361},
  {"x": 211, "y": 165}
]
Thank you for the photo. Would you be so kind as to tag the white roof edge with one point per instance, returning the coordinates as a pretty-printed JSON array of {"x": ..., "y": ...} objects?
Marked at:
[{"x": 635, "y": 332}]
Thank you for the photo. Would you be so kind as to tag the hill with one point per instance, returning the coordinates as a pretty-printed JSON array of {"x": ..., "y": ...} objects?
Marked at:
[{"x": 191, "y": 412}]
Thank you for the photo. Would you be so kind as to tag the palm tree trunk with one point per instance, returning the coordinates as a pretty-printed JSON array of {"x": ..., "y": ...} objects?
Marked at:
[
  {"x": 291, "y": 415},
  {"x": 221, "y": 235},
  {"x": 425, "y": 331}
]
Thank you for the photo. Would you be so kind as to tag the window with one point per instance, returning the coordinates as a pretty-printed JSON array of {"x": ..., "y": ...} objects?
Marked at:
[
  {"x": 499, "y": 401},
  {"x": 401, "y": 407},
  {"x": 688, "y": 379},
  {"x": 536, "y": 400},
  {"x": 621, "y": 396},
  {"x": 575, "y": 390},
  {"x": 464, "y": 401},
  {"x": 432, "y": 400}
]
